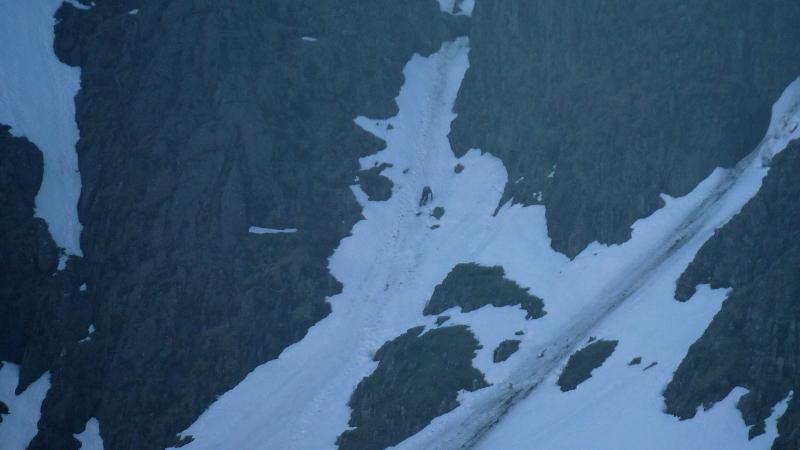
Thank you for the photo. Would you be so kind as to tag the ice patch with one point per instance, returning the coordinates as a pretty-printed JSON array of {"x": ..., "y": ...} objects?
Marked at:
[
  {"x": 36, "y": 99},
  {"x": 90, "y": 438},
  {"x": 259, "y": 230},
  {"x": 20, "y": 425}
]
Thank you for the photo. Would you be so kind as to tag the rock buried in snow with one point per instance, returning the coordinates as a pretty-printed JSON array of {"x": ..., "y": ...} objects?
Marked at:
[
  {"x": 581, "y": 364},
  {"x": 505, "y": 350},
  {"x": 472, "y": 287},
  {"x": 417, "y": 379}
]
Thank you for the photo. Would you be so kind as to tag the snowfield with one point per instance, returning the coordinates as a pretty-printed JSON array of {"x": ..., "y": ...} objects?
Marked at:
[
  {"x": 397, "y": 255},
  {"x": 37, "y": 94}
]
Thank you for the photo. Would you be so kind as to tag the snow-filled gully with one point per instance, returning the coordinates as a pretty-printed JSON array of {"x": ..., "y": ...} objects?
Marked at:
[{"x": 394, "y": 259}]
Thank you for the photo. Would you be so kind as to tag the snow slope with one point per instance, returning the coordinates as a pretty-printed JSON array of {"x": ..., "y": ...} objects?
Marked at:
[
  {"x": 36, "y": 99},
  {"x": 19, "y": 426},
  {"x": 395, "y": 257}
]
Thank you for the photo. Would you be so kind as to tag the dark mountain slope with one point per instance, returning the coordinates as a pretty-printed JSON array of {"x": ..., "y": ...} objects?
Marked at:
[
  {"x": 624, "y": 100},
  {"x": 40, "y": 309},
  {"x": 198, "y": 120},
  {"x": 27, "y": 253},
  {"x": 754, "y": 341}
]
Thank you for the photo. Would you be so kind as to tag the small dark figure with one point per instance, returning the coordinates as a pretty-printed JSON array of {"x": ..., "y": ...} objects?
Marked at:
[{"x": 427, "y": 194}]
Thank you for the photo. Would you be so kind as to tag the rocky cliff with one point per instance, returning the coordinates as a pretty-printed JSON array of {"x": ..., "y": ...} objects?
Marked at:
[
  {"x": 754, "y": 341},
  {"x": 199, "y": 120},
  {"x": 596, "y": 109}
]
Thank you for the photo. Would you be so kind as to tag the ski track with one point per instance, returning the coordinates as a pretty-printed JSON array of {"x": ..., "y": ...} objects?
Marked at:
[{"x": 391, "y": 263}]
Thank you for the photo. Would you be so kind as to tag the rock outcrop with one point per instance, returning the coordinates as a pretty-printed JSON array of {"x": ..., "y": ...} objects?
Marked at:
[
  {"x": 596, "y": 109},
  {"x": 754, "y": 341},
  {"x": 198, "y": 120}
]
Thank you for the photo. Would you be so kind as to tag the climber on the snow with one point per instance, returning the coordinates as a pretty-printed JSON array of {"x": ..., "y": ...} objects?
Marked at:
[{"x": 427, "y": 194}]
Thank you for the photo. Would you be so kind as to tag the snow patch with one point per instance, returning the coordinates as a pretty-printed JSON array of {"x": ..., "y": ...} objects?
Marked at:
[
  {"x": 259, "y": 230},
  {"x": 63, "y": 257},
  {"x": 309, "y": 39},
  {"x": 89, "y": 337},
  {"x": 90, "y": 438},
  {"x": 466, "y": 7},
  {"x": 457, "y": 7},
  {"x": 20, "y": 425},
  {"x": 36, "y": 94},
  {"x": 79, "y": 5}
]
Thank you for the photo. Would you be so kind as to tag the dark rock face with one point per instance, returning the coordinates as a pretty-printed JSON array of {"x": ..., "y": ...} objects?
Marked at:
[
  {"x": 622, "y": 100},
  {"x": 472, "y": 286},
  {"x": 754, "y": 341},
  {"x": 27, "y": 255},
  {"x": 199, "y": 119},
  {"x": 417, "y": 379},
  {"x": 505, "y": 350},
  {"x": 42, "y": 312},
  {"x": 581, "y": 363},
  {"x": 377, "y": 187}
]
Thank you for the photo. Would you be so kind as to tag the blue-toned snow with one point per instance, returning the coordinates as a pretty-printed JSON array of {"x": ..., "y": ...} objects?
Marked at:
[
  {"x": 393, "y": 260},
  {"x": 90, "y": 438},
  {"x": 457, "y": 7},
  {"x": 19, "y": 426},
  {"x": 259, "y": 230},
  {"x": 36, "y": 99}
]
